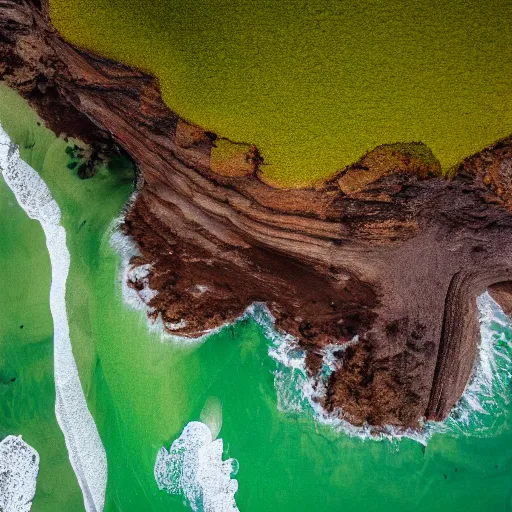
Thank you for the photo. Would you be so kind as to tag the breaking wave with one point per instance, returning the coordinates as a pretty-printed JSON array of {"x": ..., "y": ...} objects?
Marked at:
[
  {"x": 193, "y": 468},
  {"x": 19, "y": 466},
  {"x": 86, "y": 451},
  {"x": 481, "y": 411}
]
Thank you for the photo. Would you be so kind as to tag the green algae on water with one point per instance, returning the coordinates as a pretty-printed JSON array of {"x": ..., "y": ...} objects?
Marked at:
[{"x": 314, "y": 85}]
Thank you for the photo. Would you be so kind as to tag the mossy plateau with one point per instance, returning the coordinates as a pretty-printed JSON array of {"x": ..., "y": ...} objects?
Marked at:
[{"x": 315, "y": 85}]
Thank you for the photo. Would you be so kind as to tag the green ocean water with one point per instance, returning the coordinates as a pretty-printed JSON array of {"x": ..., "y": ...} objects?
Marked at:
[
  {"x": 143, "y": 390},
  {"x": 314, "y": 84},
  {"x": 27, "y": 389}
]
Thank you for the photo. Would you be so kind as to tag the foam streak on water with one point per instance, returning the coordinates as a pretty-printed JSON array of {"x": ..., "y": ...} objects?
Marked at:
[
  {"x": 19, "y": 466},
  {"x": 193, "y": 468},
  {"x": 86, "y": 451}
]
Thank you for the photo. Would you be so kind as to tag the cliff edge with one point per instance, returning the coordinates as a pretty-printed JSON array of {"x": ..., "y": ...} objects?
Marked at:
[{"x": 388, "y": 250}]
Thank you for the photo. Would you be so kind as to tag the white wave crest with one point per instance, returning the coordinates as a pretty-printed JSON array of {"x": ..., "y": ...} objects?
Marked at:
[
  {"x": 482, "y": 409},
  {"x": 86, "y": 451},
  {"x": 193, "y": 468},
  {"x": 19, "y": 466}
]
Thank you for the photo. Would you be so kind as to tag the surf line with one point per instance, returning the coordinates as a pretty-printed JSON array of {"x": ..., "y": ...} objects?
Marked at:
[{"x": 85, "y": 449}]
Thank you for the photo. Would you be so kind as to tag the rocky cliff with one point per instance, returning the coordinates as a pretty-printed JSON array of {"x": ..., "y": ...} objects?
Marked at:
[{"x": 388, "y": 249}]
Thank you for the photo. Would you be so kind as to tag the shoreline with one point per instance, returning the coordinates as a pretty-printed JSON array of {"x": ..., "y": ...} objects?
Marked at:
[
  {"x": 299, "y": 392},
  {"x": 387, "y": 250}
]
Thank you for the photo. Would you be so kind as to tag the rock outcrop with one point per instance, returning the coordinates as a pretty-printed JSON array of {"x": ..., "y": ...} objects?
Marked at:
[{"x": 388, "y": 250}]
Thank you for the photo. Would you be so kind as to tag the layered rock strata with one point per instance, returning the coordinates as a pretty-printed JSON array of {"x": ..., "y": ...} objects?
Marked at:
[{"x": 388, "y": 249}]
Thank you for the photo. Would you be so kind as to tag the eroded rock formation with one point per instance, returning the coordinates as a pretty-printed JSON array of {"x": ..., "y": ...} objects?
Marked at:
[{"x": 387, "y": 250}]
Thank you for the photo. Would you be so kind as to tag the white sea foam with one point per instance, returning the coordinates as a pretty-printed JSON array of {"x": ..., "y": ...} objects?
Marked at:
[
  {"x": 86, "y": 451},
  {"x": 482, "y": 409},
  {"x": 19, "y": 466},
  {"x": 193, "y": 468}
]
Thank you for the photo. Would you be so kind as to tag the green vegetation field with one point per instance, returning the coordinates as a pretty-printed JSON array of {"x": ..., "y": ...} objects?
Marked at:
[{"x": 315, "y": 84}]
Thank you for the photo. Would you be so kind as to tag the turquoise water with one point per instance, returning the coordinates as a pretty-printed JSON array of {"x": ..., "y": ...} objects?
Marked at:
[{"x": 143, "y": 390}]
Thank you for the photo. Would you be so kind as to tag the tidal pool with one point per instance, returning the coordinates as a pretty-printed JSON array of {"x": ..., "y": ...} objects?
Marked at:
[
  {"x": 315, "y": 84},
  {"x": 143, "y": 390}
]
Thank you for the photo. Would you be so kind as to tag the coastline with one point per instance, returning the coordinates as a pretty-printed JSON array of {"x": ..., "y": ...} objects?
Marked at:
[
  {"x": 299, "y": 392},
  {"x": 392, "y": 253}
]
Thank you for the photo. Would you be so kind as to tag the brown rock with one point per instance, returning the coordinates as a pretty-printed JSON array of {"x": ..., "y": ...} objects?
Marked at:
[
  {"x": 414, "y": 158},
  {"x": 388, "y": 250},
  {"x": 187, "y": 135},
  {"x": 502, "y": 294}
]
